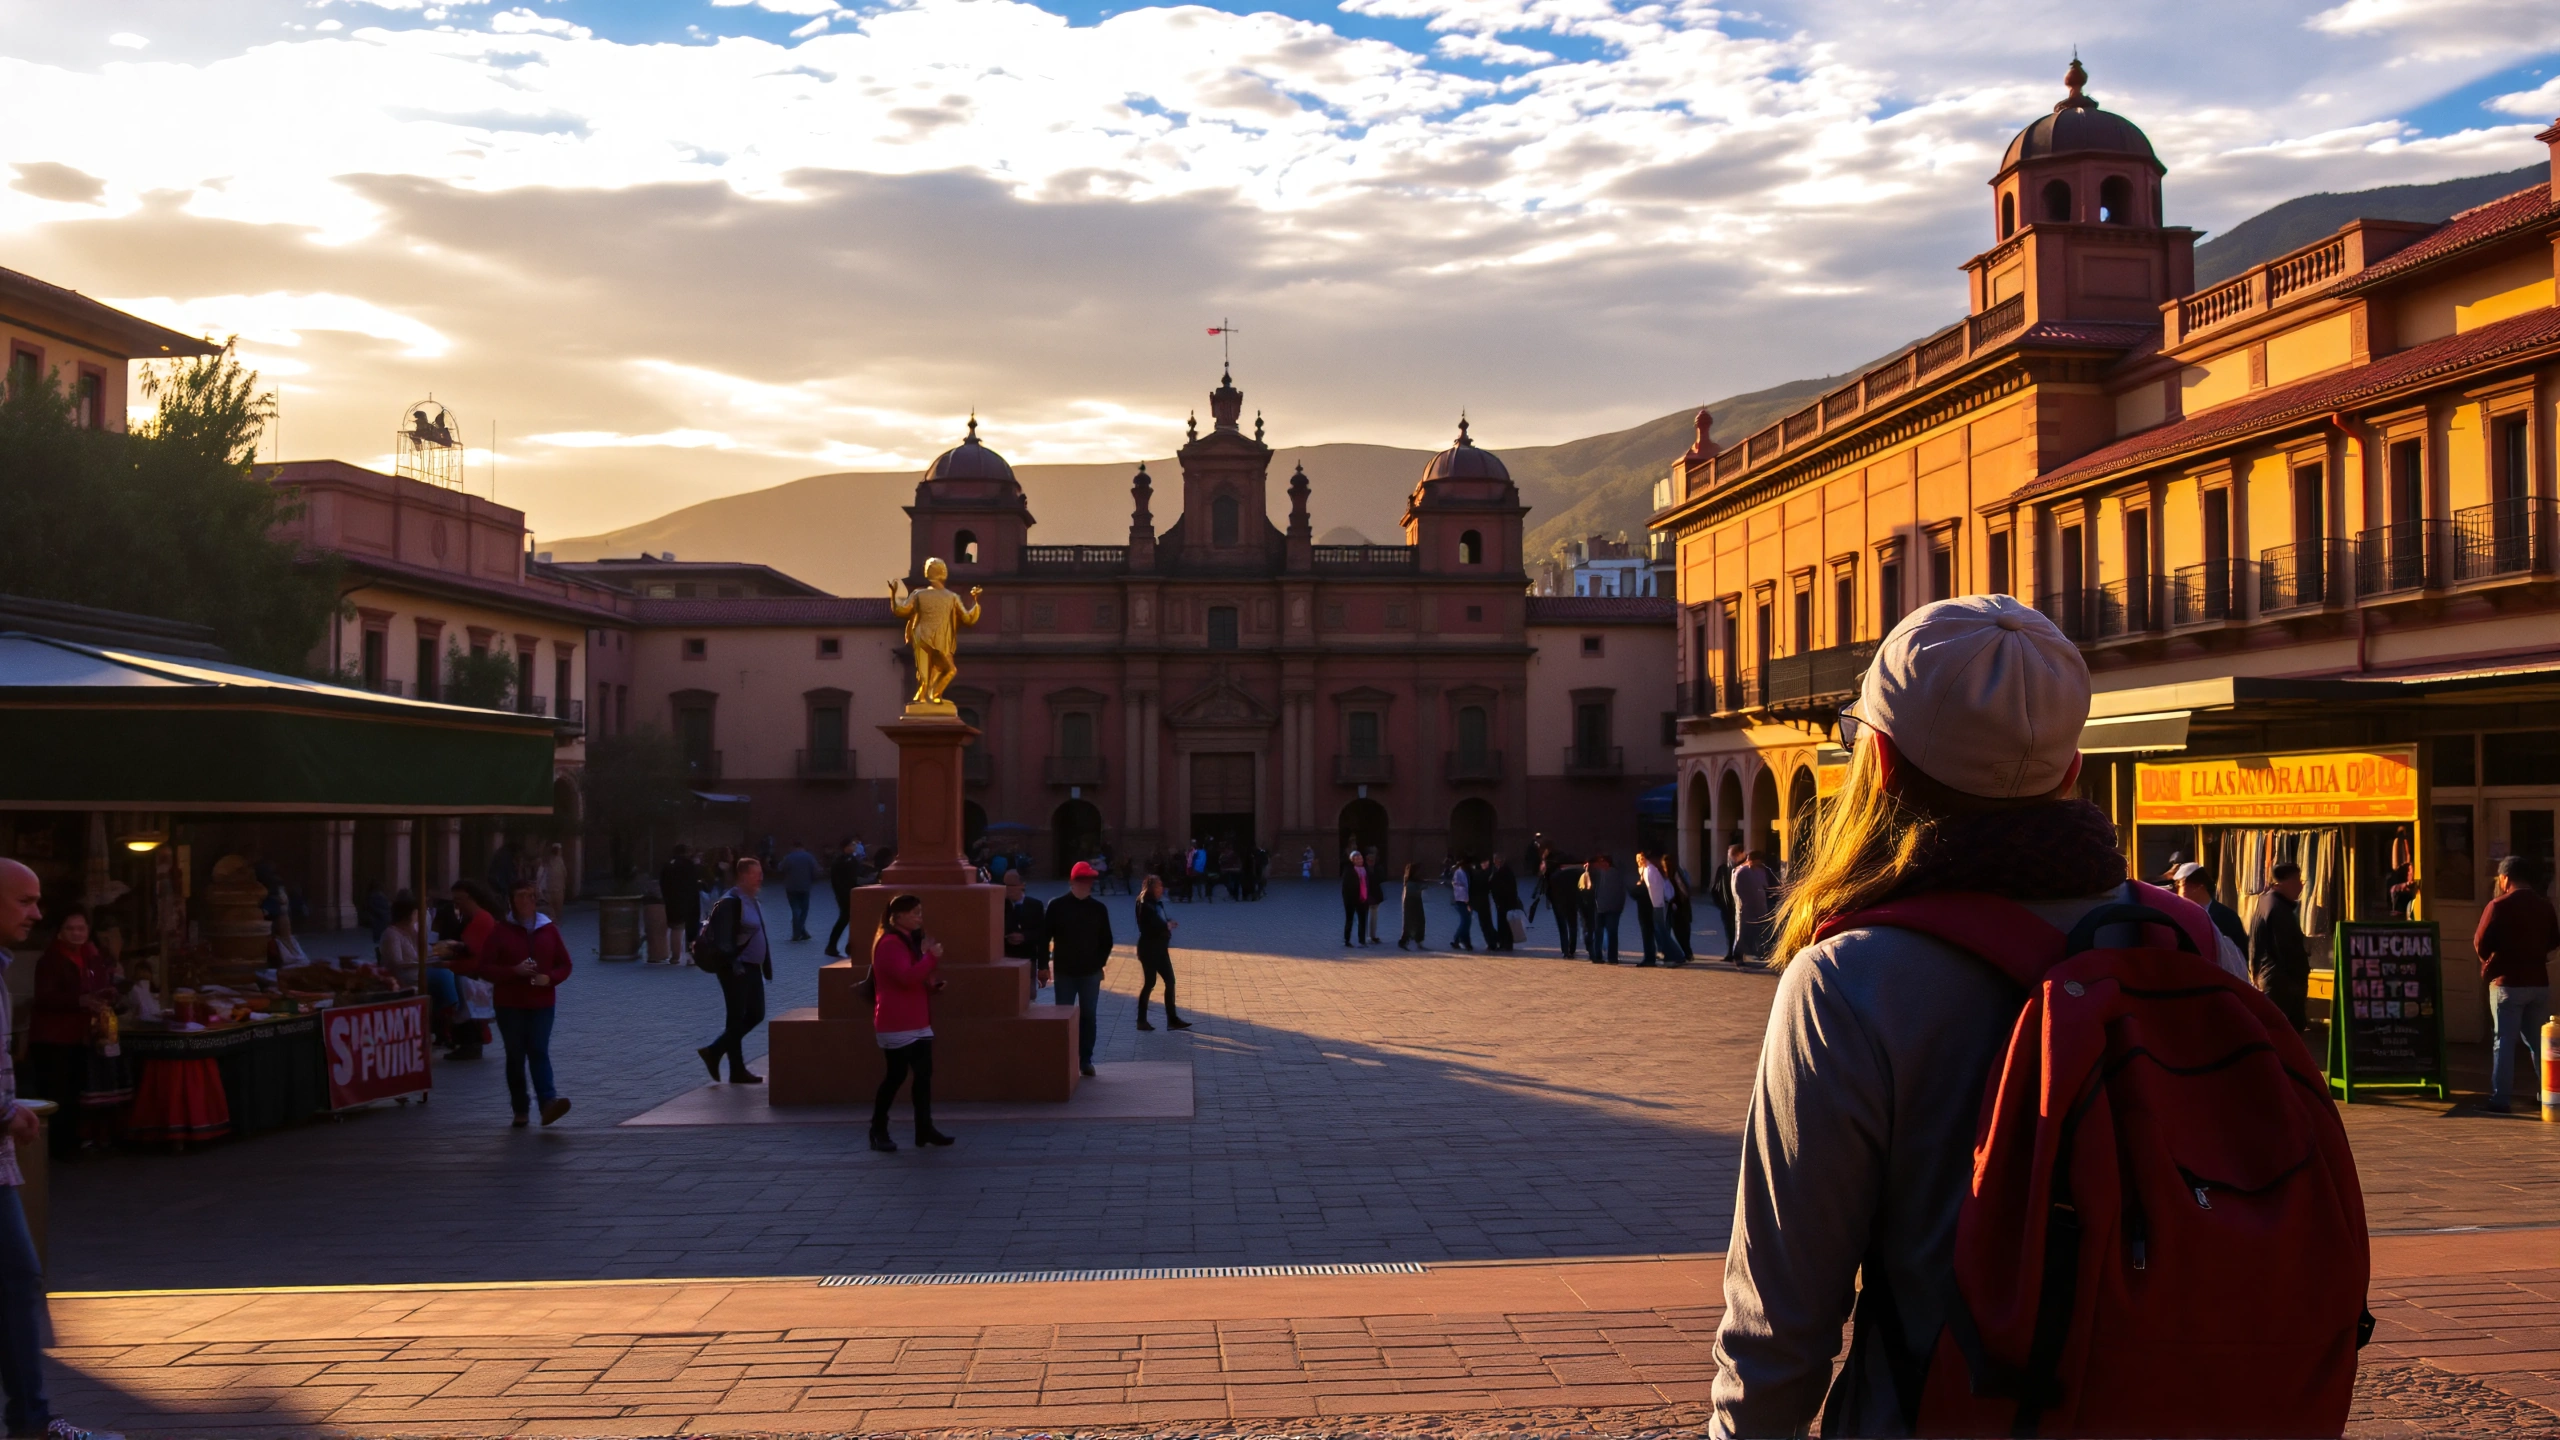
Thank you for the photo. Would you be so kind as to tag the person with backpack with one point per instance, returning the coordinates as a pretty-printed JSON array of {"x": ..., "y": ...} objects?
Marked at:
[
  {"x": 737, "y": 949},
  {"x": 903, "y": 959},
  {"x": 2073, "y": 1175}
]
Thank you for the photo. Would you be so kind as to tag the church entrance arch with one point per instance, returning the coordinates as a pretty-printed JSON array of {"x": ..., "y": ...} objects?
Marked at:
[
  {"x": 1471, "y": 826},
  {"x": 1222, "y": 801},
  {"x": 1363, "y": 826},
  {"x": 1075, "y": 832}
]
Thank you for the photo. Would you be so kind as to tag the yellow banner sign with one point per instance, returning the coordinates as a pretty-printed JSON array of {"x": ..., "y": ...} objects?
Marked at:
[{"x": 2280, "y": 789}]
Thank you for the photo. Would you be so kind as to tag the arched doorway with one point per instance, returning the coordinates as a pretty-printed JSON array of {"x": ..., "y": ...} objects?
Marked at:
[
  {"x": 1075, "y": 828},
  {"x": 973, "y": 825},
  {"x": 1471, "y": 826},
  {"x": 1364, "y": 827},
  {"x": 1800, "y": 817},
  {"x": 1760, "y": 827},
  {"x": 1728, "y": 825},
  {"x": 1697, "y": 828}
]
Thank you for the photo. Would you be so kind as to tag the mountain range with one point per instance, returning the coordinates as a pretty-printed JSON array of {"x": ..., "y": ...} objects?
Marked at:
[{"x": 828, "y": 530}]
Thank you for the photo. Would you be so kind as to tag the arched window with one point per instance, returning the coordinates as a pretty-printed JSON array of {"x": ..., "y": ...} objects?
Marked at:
[
  {"x": 1471, "y": 548},
  {"x": 1475, "y": 735},
  {"x": 1075, "y": 734},
  {"x": 964, "y": 548},
  {"x": 2115, "y": 201},
  {"x": 1222, "y": 521},
  {"x": 2057, "y": 200},
  {"x": 2008, "y": 215}
]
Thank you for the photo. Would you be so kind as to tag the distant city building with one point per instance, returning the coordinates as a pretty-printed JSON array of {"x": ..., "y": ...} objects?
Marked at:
[
  {"x": 83, "y": 348},
  {"x": 1611, "y": 568}
]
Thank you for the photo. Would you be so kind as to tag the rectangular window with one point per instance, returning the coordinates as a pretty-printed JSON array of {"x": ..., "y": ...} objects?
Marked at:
[
  {"x": 1802, "y": 640},
  {"x": 371, "y": 659},
  {"x": 1996, "y": 561},
  {"x": 2520, "y": 757},
  {"x": 1844, "y": 605},
  {"x": 427, "y": 667},
  {"x": 1222, "y": 627},
  {"x": 693, "y": 738},
  {"x": 1591, "y": 646},
  {"x": 826, "y": 738},
  {"x": 2137, "y": 569},
  {"x": 2453, "y": 877},
  {"x": 1764, "y": 639},
  {"x": 90, "y": 401},
  {"x": 1888, "y": 591},
  {"x": 1364, "y": 734},
  {"x": 2408, "y": 483},
  {"x": 2310, "y": 506},
  {"x": 2217, "y": 526},
  {"x": 1942, "y": 568},
  {"x": 2450, "y": 761},
  {"x": 2075, "y": 563},
  {"x": 697, "y": 648},
  {"x": 830, "y": 647},
  {"x": 1591, "y": 732},
  {"x": 2511, "y": 460},
  {"x": 562, "y": 690},
  {"x": 26, "y": 368}
]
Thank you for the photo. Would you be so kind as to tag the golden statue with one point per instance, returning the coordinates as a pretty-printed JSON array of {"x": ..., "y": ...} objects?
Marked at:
[{"x": 934, "y": 616}]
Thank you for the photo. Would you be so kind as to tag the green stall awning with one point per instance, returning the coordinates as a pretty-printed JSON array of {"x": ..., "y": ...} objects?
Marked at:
[{"x": 88, "y": 728}]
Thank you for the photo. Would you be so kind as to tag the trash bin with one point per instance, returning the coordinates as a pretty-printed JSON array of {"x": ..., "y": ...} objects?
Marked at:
[
  {"x": 35, "y": 1168},
  {"x": 618, "y": 927}
]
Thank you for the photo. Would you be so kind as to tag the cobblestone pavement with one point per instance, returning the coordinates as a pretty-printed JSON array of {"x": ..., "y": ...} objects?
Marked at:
[
  {"x": 1353, "y": 1105},
  {"x": 1604, "y": 1347}
]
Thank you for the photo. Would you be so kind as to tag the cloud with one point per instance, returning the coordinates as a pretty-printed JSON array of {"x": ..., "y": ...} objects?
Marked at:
[
  {"x": 2538, "y": 103},
  {"x": 2441, "y": 29},
  {"x": 689, "y": 268},
  {"x": 47, "y": 181},
  {"x": 127, "y": 40}
]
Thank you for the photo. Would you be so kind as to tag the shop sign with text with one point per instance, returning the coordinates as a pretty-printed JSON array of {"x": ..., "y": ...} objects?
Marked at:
[
  {"x": 374, "y": 1052},
  {"x": 2327, "y": 785}
]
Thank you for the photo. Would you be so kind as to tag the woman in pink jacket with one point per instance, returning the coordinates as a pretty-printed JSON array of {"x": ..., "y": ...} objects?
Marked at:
[{"x": 902, "y": 980}]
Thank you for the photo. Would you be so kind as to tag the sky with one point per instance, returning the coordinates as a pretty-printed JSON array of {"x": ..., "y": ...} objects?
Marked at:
[{"x": 663, "y": 250}]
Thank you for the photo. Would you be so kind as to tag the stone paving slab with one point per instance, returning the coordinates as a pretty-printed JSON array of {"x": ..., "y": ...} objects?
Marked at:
[
  {"x": 1132, "y": 1090},
  {"x": 1598, "y": 1347}
]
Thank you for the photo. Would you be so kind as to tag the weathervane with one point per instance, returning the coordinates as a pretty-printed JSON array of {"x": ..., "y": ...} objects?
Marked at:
[{"x": 1222, "y": 330}]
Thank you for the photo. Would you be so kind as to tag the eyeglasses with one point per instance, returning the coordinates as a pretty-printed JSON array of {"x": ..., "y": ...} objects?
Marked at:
[{"x": 1850, "y": 728}]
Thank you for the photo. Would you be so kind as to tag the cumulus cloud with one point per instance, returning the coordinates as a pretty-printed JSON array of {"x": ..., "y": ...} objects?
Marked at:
[
  {"x": 2441, "y": 29},
  {"x": 685, "y": 268}
]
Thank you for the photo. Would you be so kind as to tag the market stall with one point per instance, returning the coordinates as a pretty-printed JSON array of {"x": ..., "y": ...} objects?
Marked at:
[{"x": 132, "y": 773}]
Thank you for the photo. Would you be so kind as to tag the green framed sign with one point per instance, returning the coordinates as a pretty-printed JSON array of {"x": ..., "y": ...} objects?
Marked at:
[{"x": 2386, "y": 1022}]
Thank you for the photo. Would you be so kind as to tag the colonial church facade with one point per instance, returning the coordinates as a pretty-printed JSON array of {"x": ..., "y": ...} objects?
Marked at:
[{"x": 1222, "y": 676}]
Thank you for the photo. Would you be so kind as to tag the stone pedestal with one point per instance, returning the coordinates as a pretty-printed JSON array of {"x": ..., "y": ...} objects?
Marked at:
[{"x": 990, "y": 1041}]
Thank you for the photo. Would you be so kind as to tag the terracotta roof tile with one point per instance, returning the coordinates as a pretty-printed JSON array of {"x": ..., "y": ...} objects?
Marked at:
[
  {"x": 764, "y": 611},
  {"x": 2319, "y": 395},
  {"x": 1600, "y": 609},
  {"x": 2126, "y": 335},
  {"x": 2475, "y": 226}
]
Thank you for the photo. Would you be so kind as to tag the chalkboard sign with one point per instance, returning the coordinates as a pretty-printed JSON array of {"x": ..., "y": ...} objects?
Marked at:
[{"x": 2386, "y": 1025}]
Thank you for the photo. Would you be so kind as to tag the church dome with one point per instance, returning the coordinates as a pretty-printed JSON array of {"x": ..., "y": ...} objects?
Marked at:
[
  {"x": 1464, "y": 461},
  {"x": 2078, "y": 127},
  {"x": 969, "y": 460}
]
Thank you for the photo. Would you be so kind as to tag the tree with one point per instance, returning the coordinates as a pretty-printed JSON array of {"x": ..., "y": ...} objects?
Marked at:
[
  {"x": 636, "y": 797},
  {"x": 168, "y": 520},
  {"x": 486, "y": 678}
]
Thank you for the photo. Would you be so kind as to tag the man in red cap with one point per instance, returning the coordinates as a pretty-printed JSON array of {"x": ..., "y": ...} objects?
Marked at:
[{"x": 1079, "y": 946}]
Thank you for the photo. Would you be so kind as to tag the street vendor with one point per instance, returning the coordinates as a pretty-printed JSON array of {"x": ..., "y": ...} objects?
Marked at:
[{"x": 74, "y": 1001}]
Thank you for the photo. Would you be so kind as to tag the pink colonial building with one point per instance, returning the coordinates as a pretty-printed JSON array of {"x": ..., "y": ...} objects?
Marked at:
[{"x": 1227, "y": 678}]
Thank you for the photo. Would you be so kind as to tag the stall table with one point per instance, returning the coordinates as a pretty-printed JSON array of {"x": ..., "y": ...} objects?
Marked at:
[{"x": 264, "y": 1074}]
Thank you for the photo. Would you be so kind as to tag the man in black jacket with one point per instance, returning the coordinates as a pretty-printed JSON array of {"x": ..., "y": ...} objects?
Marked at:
[
  {"x": 1026, "y": 928},
  {"x": 1079, "y": 946},
  {"x": 1720, "y": 890},
  {"x": 2279, "y": 961},
  {"x": 680, "y": 886},
  {"x": 1564, "y": 898},
  {"x": 842, "y": 876}
]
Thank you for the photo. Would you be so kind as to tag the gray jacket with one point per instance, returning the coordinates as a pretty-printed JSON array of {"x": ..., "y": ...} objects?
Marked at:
[
  {"x": 1857, "y": 1155},
  {"x": 1608, "y": 889}
]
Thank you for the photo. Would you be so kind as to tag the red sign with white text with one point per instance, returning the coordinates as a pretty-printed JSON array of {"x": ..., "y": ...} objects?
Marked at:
[{"x": 374, "y": 1052}]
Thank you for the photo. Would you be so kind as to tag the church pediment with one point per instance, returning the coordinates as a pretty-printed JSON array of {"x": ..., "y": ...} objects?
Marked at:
[{"x": 1224, "y": 704}]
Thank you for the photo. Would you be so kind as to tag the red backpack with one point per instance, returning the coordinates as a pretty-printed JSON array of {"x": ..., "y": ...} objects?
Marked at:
[{"x": 2165, "y": 1235}]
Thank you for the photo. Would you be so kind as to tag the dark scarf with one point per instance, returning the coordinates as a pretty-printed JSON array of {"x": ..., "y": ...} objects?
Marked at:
[{"x": 2056, "y": 851}]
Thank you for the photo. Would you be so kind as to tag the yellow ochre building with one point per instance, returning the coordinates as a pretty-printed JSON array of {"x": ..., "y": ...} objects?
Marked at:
[{"x": 2301, "y": 523}]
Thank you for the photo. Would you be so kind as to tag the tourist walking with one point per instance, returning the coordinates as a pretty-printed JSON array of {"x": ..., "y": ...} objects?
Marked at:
[
  {"x": 1413, "y": 937},
  {"x": 1461, "y": 893},
  {"x": 1026, "y": 928},
  {"x": 2514, "y": 940},
  {"x": 903, "y": 983},
  {"x": 1506, "y": 903},
  {"x": 527, "y": 961},
  {"x": 2279, "y": 961},
  {"x": 1881, "y": 1188},
  {"x": 800, "y": 875},
  {"x": 1079, "y": 947},
  {"x": 1683, "y": 910},
  {"x": 1658, "y": 895},
  {"x": 1488, "y": 916},
  {"x": 1155, "y": 955},
  {"x": 1377, "y": 888},
  {"x": 737, "y": 948},
  {"x": 75, "y": 988},
  {"x": 1720, "y": 895},
  {"x": 24, "y": 1327},
  {"x": 1563, "y": 885},
  {"x": 680, "y": 887},
  {"x": 844, "y": 873},
  {"x": 1359, "y": 890},
  {"x": 1754, "y": 914},
  {"x": 1604, "y": 893}
]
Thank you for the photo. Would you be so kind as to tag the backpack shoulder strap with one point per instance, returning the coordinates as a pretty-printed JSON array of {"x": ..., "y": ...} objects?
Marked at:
[
  {"x": 2189, "y": 916},
  {"x": 2001, "y": 932}
]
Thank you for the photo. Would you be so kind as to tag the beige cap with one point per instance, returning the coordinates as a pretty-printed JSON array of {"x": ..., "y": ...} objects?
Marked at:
[{"x": 1983, "y": 694}]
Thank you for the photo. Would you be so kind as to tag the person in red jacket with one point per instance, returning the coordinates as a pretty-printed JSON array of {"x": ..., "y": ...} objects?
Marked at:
[
  {"x": 525, "y": 960},
  {"x": 2517, "y": 934},
  {"x": 903, "y": 960}
]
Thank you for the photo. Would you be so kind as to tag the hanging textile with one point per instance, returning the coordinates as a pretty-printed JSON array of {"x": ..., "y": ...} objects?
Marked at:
[{"x": 2250, "y": 856}]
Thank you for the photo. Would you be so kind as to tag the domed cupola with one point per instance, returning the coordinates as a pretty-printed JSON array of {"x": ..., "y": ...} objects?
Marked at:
[
  {"x": 1464, "y": 513},
  {"x": 2076, "y": 223},
  {"x": 970, "y": 512}
]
